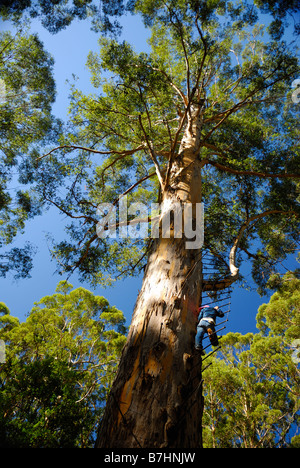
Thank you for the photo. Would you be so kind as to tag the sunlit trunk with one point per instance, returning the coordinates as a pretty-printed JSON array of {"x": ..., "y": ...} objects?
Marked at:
[{"x": 156, "y": 399}]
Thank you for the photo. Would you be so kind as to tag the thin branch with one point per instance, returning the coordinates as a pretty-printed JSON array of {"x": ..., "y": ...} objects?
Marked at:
[
  {"x": 204, "y": 54},
  {"x": 172, "y": 152},
  {"x": 133, "y": 267},
  {"x": 178, "y": 90},
  {"x": 251, "y": 173},
  {"x": 132, "y": 187},
  {"x": 86, "y": 217},
  {"x": 85, "y": 254},
  {"x": 152, "y": 154},
  {"x": 226, "y": 114},
  {"x": 178, "y": 26},
  {"x": 122, "y": 156},
  {"x": 247, "y": 100},
  {"x": 91, "y": 150}
]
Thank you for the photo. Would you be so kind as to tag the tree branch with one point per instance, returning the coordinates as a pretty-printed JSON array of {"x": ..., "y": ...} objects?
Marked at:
[
  {"x": 91, "y": 150},
  {"x": 152, "y": 154},
  {"x": 134, "y": 186},
  {"x": 227, "y": 281},
  {"x": 246, "y": 100},
  {"x": 251, "y": 173},
  {"x": 232, "y": 256},
  {"x": 178, "y": 90}
]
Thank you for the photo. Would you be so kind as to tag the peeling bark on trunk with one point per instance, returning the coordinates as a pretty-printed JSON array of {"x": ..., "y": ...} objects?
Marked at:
[{"x": 156, "y": 399}]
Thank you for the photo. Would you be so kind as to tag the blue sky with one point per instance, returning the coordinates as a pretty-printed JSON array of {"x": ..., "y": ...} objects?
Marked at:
[{"x": 70, "y": 49}]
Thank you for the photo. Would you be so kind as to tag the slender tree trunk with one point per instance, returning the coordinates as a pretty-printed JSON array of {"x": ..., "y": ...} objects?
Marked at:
[{"x": 156, "y": 399}]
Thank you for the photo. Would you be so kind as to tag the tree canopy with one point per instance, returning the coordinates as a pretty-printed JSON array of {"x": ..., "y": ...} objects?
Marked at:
[
  {"x": 59, "y": 367},
  {"x": 124, "y": 138},
  {"x": 58, "y": 14},
  {"x": 214, "y": 52},
  {"x": 27, "y": 94}
]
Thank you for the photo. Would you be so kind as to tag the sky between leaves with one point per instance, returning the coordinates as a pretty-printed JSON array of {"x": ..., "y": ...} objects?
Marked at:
[{"x": 70, "y": 48}]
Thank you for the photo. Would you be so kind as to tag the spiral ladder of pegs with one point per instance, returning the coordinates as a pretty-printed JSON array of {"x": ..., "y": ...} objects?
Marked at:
[{"x": 214, "y": 269}]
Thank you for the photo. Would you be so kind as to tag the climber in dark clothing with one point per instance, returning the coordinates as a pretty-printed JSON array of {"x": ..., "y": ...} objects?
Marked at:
[{"x": 206, "y": 324}]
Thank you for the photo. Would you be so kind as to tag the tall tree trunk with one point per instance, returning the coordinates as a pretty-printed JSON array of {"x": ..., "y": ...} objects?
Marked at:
[{"x": 156, "y": 399}]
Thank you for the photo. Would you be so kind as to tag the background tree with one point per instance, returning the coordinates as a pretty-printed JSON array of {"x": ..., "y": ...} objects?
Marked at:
[
  {"x": 57, "y": 15},
  {"x": 205, "y": 117},
  {"x": 283, "y": 12},
  {"x": 27, "y": 93},
  {"x": 252, "y": 390},
  {"x": 59, "y": 367}
]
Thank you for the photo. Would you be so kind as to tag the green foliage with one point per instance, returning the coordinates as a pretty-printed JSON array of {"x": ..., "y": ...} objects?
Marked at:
[
  {"x": 60, "y": 364},
  {"x": 27, "y": 93},
  {"x": 282, "y": 11},
  {"x": 57, "y": 15},
  {"x": 213, "y": 54},
  {"x": 281, "y": 316},
  {"x": 252, "y": 393},
  {"x": 48, "y": 415}
]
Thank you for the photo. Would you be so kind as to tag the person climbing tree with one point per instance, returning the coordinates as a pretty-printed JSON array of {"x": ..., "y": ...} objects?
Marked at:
[{"x": 207, "y": 320}]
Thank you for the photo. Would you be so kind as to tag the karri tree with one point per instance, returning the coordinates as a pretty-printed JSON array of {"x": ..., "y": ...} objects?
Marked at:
[{"x": 206, "y": 116}]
